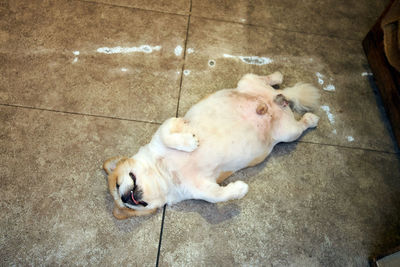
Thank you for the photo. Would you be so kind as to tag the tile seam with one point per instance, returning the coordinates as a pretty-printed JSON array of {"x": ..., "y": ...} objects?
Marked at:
[
  {"x": 223, "y": 20},
  {"x": 184, "y": 60},
  {"x": 161, "y": 235},
  {"x": 159, "y": 123},
  {"x": 131, "y": 7},
  {"x": 350, "y": 147},
  {"x": 177, "y": 111},
  {"x": 78, "y": 113},
  {"x": 276, "y": 28}
]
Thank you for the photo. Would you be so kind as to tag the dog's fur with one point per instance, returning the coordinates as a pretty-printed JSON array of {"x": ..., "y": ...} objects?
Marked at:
[{"x": 229, "y": 130}]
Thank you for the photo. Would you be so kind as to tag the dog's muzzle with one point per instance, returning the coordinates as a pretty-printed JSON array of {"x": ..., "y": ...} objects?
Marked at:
[{"x": 128, "y": 198}]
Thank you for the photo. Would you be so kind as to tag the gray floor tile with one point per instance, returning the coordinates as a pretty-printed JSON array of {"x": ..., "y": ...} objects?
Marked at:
[
  {"x": 55, "y": 206},
  {"x": 331, "y": 199},
  {"x": 219, "y": 53},
  {"x": 333, "y": 207},
  {"x": 169, "y": 6},
  {"x": 343, "y": 19},
  {"x": 91, "y": 58}
]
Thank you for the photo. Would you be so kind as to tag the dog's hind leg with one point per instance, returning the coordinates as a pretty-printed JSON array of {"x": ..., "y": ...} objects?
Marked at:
[
  {"x": 251, "y": 82},
  {"x": 212, "y": 192},
  {"x": 175, "y": 133},
  {"x": 289, "y": 129},
  {"x": 271, "y": 79}
]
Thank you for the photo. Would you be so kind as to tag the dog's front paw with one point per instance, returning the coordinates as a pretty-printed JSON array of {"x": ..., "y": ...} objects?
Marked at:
[
  {"x": 311, "y": 120},
  {"x": 190, "y": 142},
  {"x": 238, "y": 189}
]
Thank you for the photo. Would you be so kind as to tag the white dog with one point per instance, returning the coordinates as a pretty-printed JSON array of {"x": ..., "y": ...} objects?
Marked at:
[{"x": 229, "y": 130}]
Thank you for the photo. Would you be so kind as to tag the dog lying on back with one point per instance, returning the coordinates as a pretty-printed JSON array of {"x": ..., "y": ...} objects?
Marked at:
[{"x": 188, "y": 157}]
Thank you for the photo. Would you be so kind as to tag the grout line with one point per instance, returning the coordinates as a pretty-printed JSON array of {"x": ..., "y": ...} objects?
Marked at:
[
  {"x": 221, "y": 20},
  {"x": 161, "y": 234},
  {"x": 350, "y": 147},
  {"x": 177, "y": 110},
  {"x": 184, "y": 59},
  {"x": 276, "y": 28},
  {"x": 78, "y": 113},
  {"x": 132, "y": 7},
  {"x": 158, "y": 123}
]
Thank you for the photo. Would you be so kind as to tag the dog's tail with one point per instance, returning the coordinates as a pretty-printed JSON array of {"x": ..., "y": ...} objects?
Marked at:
[{"x": 303, "y": 97}]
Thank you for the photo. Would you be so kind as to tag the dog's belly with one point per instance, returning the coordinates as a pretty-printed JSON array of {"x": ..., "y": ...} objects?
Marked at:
[{"x": 231, "y": 132}]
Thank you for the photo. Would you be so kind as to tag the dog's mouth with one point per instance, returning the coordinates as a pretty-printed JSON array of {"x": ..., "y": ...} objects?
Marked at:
[
  {"x": 129, "y": 198},
  {"x": 134, "y": 196},
  {"x": 133, "y": 199},
  {"x": 131, "y": 202}
]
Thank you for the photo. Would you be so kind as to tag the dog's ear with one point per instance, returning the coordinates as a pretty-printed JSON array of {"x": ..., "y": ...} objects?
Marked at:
[{"x": 110, "y": 164}]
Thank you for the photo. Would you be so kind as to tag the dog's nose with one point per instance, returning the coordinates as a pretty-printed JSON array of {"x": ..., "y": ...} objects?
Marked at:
[{"x": 126, "y": 197}]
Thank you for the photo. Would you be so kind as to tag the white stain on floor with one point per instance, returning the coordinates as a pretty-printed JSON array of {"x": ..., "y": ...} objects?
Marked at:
[
  {"x": 178, "y": 50},
  {"x": 350, "y": 138},
  {"x": 321, "y": 81},
  {"x": 252, "y": 60},
  {"x": 329, "y": 87},
  {"x": 320, "y": 76},
  {"x": 367, "y": 74},
  {"x": 190, "y": 50},
  {"x": 76, "y": 53},
  {"x": 124, "y": 50},
  {"x": 124, "y": 69},
  {"x": 186, "y": 72},
  {"x": 327, "y": 110}
]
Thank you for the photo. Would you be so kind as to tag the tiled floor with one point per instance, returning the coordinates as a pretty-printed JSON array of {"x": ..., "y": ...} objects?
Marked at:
[{"x": 82, "y": 81}]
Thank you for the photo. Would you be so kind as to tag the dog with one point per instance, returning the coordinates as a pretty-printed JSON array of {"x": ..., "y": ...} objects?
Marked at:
[{"x": 188, "y": 157}]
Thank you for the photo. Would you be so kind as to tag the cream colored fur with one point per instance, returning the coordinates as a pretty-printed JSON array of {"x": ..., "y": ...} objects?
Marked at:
[{"x": 221, "y": 134}]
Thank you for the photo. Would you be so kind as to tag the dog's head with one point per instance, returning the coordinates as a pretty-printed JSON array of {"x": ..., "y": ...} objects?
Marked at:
[{"x": 127, "y": 188}]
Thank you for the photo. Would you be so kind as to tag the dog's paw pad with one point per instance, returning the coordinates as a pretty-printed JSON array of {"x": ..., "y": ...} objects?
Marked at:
[{"x": 194, "y": 142}]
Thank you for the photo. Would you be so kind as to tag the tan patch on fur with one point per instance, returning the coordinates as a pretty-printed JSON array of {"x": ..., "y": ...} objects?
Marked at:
[
  {"x": 108, "y": 162},
  {"x": 124, "y": 213},
  {"x": 177, "y": 127},
  {"x": 112, "y": 178},
  {"x": 257, "y": 160},
  {"x": 119, "y": 212},
  {"x": 175, "y": 178},
  {"x": 204, "y": 98},
  {"x": 240, "y": 95},
  {"x": 223, "y": 175}
]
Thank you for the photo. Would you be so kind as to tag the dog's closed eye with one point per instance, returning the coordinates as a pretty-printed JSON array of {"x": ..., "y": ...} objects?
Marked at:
[{"x": 133, "y": 178}]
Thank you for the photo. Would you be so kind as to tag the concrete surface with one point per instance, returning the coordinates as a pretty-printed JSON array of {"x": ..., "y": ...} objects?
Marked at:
[{"x": 82, "y": 81}]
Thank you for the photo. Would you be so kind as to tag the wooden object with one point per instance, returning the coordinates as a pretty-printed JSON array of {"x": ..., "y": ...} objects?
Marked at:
[
  {"x": 387, "y": 78},
  {"x": 374, "y": 261}
]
